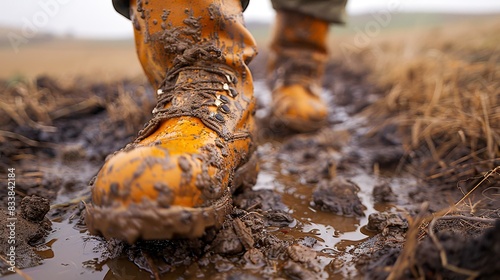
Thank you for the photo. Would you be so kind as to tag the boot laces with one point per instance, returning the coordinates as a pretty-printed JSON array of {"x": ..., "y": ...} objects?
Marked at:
[{"x": 201, "y": 94}]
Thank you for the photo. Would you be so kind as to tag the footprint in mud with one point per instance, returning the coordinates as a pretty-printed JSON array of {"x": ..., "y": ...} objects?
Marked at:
[{"x": 339, "y": 196}]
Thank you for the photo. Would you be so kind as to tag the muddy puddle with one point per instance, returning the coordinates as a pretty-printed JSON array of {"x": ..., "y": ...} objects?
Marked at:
[
  {"x": 291, "y": 166},
  {"x": 328, "y": 205},
  {"x": 70, "y": 253}
]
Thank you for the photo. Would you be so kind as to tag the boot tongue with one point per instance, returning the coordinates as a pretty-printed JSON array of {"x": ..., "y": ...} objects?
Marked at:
[
  {"x": 196, "y": 76},
  {"x": 198, "y": 87}
]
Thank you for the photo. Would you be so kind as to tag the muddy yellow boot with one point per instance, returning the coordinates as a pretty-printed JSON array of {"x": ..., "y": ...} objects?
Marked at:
[
  {"x": 295, "y": 71},
  {"x": 177, "y": 178}
]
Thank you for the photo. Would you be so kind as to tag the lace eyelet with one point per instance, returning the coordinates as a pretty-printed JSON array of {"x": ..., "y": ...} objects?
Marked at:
[
  {"x": 218, "y": 117},
  {"x": 225, "y": 109},
  {"x": 223, "y": 98},
  {"x": 233, "y": 92}
]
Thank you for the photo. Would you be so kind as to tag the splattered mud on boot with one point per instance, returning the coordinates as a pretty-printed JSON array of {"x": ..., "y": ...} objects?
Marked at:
[
  {"x": 176, "y": 179},
  {"x": 186, "y": 49}
]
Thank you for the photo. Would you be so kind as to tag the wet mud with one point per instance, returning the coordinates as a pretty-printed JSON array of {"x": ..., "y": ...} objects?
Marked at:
[
  {"x": 335, "y": 204},
  {"x": 22, "y": 231}
]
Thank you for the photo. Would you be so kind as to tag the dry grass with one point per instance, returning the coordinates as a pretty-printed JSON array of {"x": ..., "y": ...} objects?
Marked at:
[
  {"x": 441, "y": 89},
  {"x": 37, "y": 107},
  {"x": 127, "y": 111},
  {"x": 443, "y": 93},
  {"x": 34, "y": 105},
  {"x": 424, "y": 225}
]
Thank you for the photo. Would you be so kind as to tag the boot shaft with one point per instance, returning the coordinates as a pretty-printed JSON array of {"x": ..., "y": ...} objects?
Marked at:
[
  {"x": 195, "y": 54},
  {"x": 177, "y": 177},
  {"x": 166, "y": 31},
  {"x": 299, "y": 32},
  {"x": 295, "y": 71},
  {"x": 298, "y": 51}
]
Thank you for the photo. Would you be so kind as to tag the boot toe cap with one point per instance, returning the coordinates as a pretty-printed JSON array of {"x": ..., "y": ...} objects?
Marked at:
[
  {"x": 151, "y": 173},
  {"x": 149, "y": 193},
  {"x": 298, "y": 109}
]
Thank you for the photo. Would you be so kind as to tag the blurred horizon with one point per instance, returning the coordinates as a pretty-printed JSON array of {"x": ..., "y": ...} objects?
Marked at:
[
  {"x": 112, "y": 58},
  {"x": 71, "y": 18}
]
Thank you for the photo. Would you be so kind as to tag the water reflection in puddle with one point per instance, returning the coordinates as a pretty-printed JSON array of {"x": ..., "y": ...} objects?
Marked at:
[
  {"x": 71, "y": 254},
  {"x": 334, "y": 234},
  {"x": 68, "y": 254}
]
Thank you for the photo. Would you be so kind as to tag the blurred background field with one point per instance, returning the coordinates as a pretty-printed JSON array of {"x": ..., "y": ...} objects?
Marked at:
[{"x": 67, "y": 57}]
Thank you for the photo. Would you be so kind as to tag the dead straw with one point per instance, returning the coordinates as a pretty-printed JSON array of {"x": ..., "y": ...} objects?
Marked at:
[
  {"x": 444, "y": 97},
  {"x": 406, "y": 260}
]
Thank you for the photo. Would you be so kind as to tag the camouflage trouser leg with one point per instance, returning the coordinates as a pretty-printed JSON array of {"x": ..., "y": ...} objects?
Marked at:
[{"x": 332, "y": 11}]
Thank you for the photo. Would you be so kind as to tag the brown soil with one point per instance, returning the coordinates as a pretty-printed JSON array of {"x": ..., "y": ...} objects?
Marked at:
[{"x": 334, "y": 204}]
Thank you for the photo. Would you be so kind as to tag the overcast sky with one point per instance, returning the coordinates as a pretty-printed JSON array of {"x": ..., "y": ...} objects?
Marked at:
[{"x": 97, "y": 18}]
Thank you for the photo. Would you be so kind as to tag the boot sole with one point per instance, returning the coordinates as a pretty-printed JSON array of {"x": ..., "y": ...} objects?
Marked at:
[{"x": 149, "y": 222}]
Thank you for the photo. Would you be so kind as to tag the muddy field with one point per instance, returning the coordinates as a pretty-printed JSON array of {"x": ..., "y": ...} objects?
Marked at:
[{"x": 354, "y": 200}]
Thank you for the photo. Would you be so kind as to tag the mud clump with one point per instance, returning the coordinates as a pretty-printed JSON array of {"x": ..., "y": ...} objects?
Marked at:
[
  {"x": 313, "y": 157},
  {"x": 243, "y": 242},
  {"x": 377, "y": 254},
  {"x": 338, "y": 196},
  {"x": 296, "y": 271},
  {"x": 254, "y": 257},
  {"x": 34, "y": 208},
  {"x": 477, "y": 257},
  {"x": 458, "y": 247},
  {"x": 278, "y": 218},
  {"x": 234, "y": 238},
  {"x": 24, "y": 232},
  {"x": 304, "y": 255},
  {"x": 383, "y": 194},
  {"x": 264, "y": 200},
  {"x": 386, "y": 222}
]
